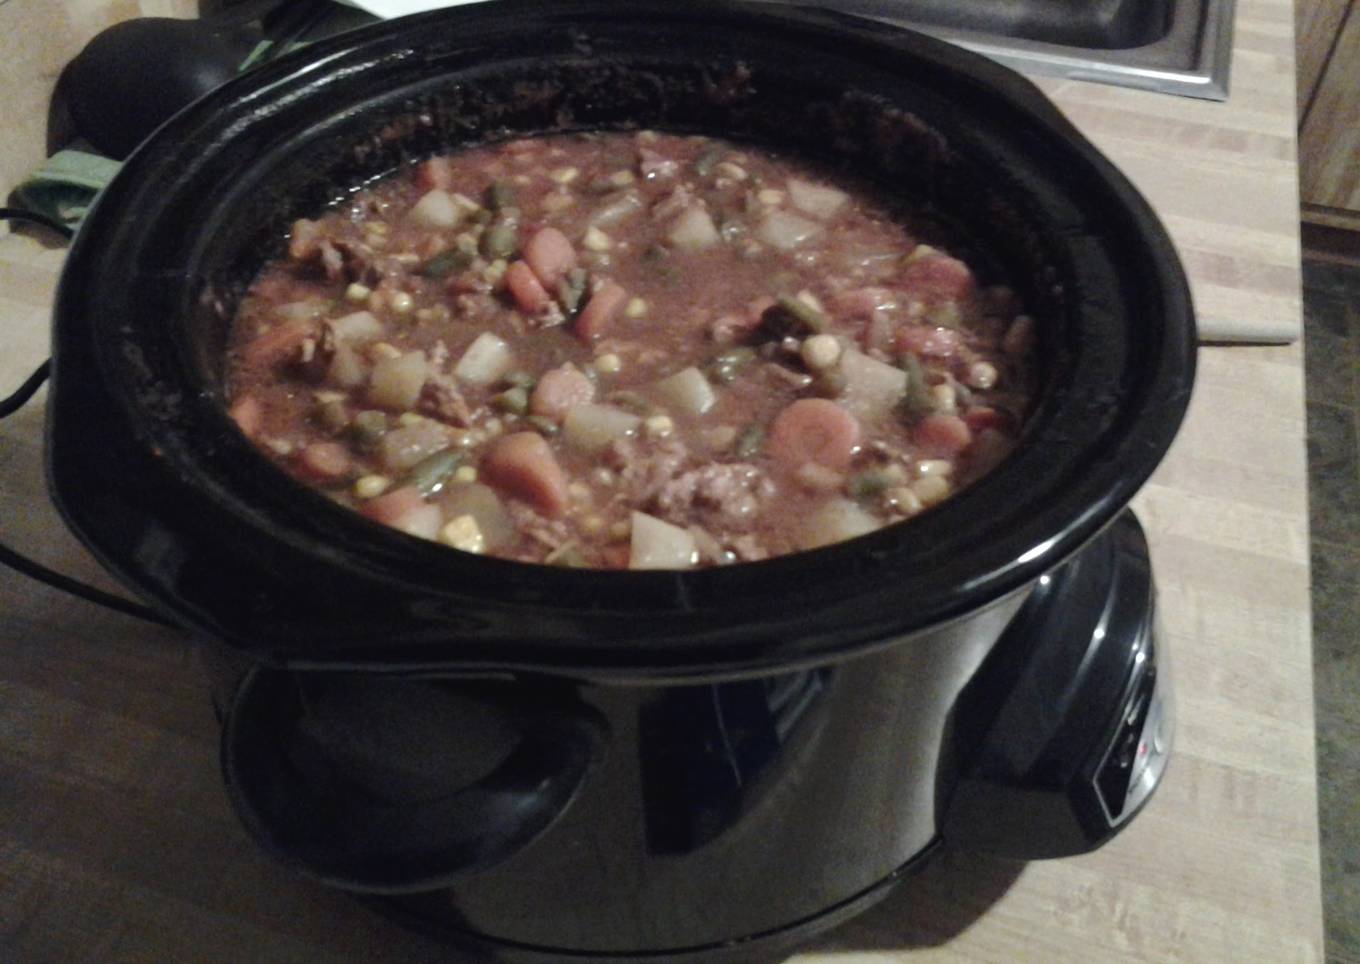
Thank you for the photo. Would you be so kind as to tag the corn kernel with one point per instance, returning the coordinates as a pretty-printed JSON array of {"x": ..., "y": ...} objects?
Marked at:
[
  {"x": 579, "y": 491},
  {"x": 564, "y": 175},
  {"x": 371, "y": 486},
  {"x": 920, "y": 252},
  {"x": 635, "y": 308},
  {"x": 730, "y": 170},
  {"x": 466, "y": 203},
  {"x": 402, "y": 303},
  {"x": 721, "y": 437},
  {"x": 658, "y": 426},
  {"x": 465, "y": 474},
  {"x": 930, "y": 489},
  {"x": 384, "y": 349},
  {"x": 946, "y": 400},
  {"x": 934, "y": 467},
  {"x": 595, "y": 239},
  {"x": 495, "y": 271},
  {"x": 820, "y": 352},
  {"x": 592, "y": 525},
  {"x": 816, "y": 477},
  {"x": 554, "y": 203},
  {"x": 324, "y": 395},
  {"x": 770, "y": 197},
  {"x": 904, "y": 500},
  {"x": 622, "y": 178},
  {"x": 409, "y": 419},
  {"x": 609, "y": 364},
  {"x": 463, "y": 533},
  {"x": 620, "y": 531},
  {"x": 982, "y": 374},
  {"x": 809, "y": 299},
  {"x": 357, "y": 293}
]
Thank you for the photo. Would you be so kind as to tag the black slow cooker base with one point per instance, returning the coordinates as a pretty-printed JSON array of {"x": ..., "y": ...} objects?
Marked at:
[{"x": 431, "y": 917}]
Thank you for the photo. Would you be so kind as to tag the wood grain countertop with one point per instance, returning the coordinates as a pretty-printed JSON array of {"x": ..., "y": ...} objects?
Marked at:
[{"x": 116, "y": 839}]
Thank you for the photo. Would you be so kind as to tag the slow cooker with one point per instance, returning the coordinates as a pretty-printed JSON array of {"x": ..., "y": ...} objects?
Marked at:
[{"x": 559, "y": 763}]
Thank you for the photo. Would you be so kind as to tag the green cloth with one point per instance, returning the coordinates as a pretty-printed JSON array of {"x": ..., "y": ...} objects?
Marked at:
[{"x": 66, "y": 185}]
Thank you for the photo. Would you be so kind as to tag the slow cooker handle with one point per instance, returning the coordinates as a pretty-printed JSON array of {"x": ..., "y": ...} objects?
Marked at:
[{"x": 379, "y": 826}]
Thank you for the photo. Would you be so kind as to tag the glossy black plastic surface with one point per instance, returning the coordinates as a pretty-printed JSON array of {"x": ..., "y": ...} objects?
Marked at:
[
  {"x": 154, "y": 477},
  {"x": 715, "y": 812},
  {"x": 388, "y": 785},
  {"x": 1046, "y": 710}
]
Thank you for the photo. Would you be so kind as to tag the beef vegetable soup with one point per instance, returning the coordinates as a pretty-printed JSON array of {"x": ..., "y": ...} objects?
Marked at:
[{"x": 628, "y": 350}]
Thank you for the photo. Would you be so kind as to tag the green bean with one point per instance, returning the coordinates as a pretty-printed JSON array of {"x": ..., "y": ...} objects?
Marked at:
[
  {"x": 830, "y": 382},
  {"x": 433, "y": 472},
  {"x": 707, "y": 161},
  {"x": 513, "y": 400},
  {"x": 445, "y": 263},
  {"x": 869, "y": 483},
  {"x": 543, "y": 425},
  {"x": 918, "y": 402},
  {"x": 572, "y": 289},
  {"x": 368, "y": 429},
  {"x": 749, "y": 441},
  {"x": 631, "y": 401},
  {"x": 500, "y": 196},
  {"x": 790, "y": 316},
  {"x": 501, "y": 239}
]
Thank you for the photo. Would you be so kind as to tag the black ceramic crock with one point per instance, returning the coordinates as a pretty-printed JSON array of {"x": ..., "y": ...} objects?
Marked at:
[{"x": 880, "y": 633}]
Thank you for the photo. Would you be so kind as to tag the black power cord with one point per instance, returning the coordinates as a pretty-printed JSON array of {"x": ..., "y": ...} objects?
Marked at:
[{"x": 11, "y": 404}]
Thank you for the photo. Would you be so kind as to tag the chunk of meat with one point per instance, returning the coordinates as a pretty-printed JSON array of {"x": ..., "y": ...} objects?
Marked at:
[
  {"x": 522, "y": 465},
  {"x": 282, "y": 344},
  {"x": 814, "y": 430},
  {"x": 929, "y": 342},
  {"x": 985, "y": 417},
  {"x": 559, "y": 391},
  {"x": 653, "y": 165},
  {"x": 529, "y": 294},
  {"x": 248, "y": 415},
  {"x": 863, "y": 302},
  {"x": 440, "y": 398},
  {"x": 325, "y": 462},
  {"x": 527, "y": 520},
  {"x": 720, "y": 495},
  {"x": 304, "y": 240},
  {"x": 938, "y": 275},
  {"x": 941, "y": 434},
  {"x": 390, "y": 507},
  {"x": 600, "y": 310},
  {"x": 436, "y": 173},
  {"x": 549, "y": 255},
  {"x": 643, "y": 472}
]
